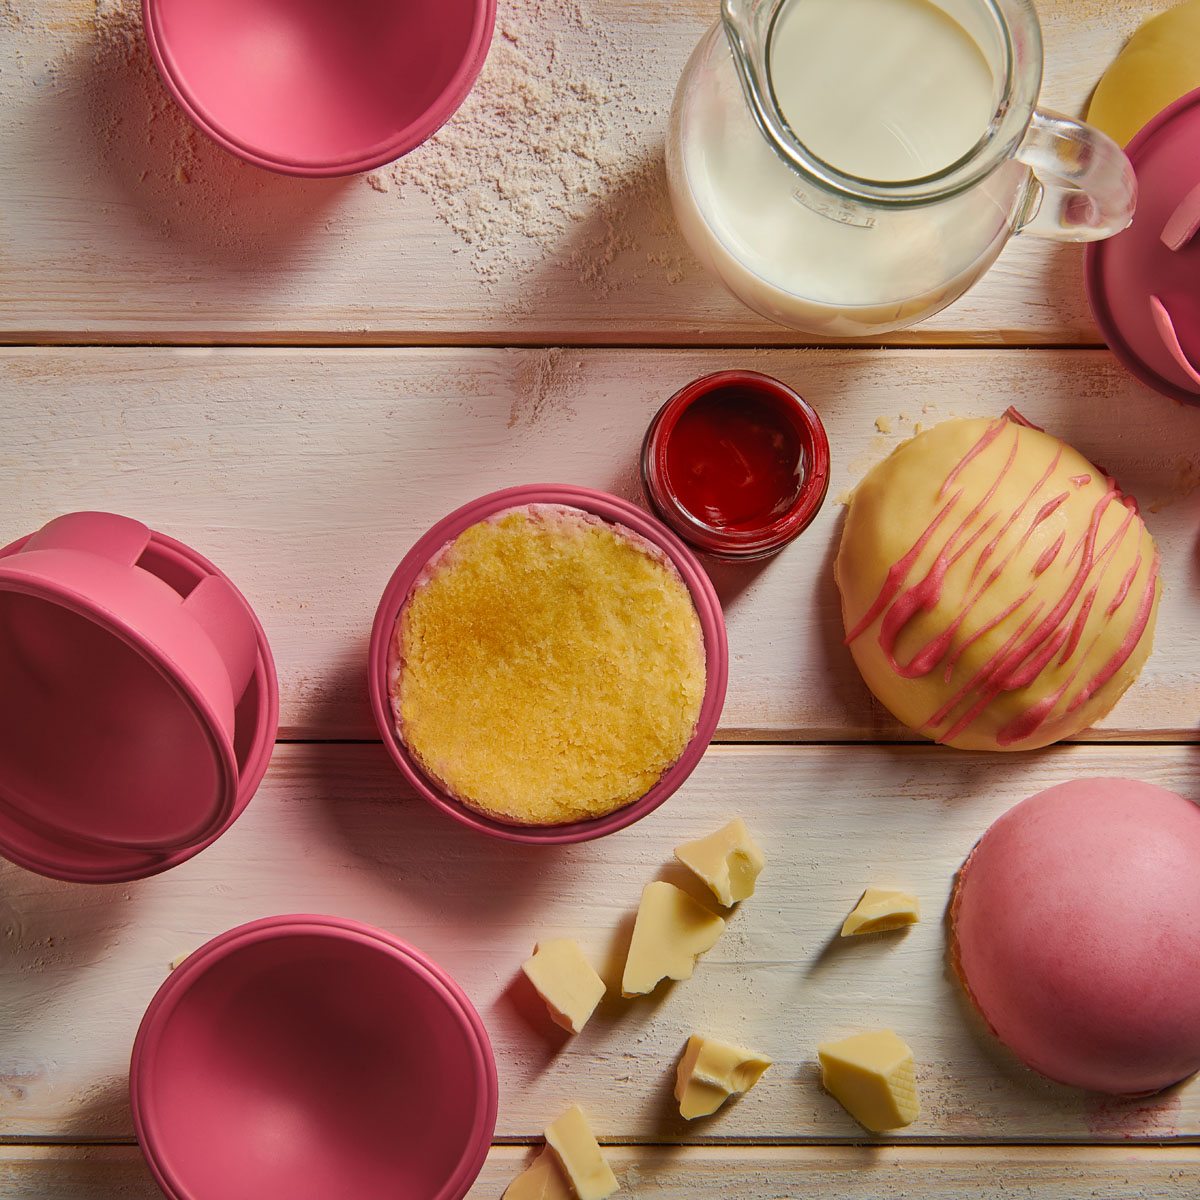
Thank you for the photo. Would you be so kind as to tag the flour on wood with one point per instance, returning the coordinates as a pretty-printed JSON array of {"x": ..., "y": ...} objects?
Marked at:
[
  {"x": 554, "y": 156},
  {"x": 553, "y": 146}
]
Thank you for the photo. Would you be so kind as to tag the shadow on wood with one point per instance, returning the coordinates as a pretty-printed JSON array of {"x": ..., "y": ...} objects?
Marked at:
[{"x": 117, "y": 119}]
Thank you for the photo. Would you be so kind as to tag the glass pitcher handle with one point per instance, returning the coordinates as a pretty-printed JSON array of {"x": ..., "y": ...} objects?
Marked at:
[{"x": 1088, "y": 188}]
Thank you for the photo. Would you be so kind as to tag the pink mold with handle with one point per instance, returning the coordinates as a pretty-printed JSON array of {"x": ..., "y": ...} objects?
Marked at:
[
  {"x": 310, "y": 1057},
  {"x": 139, "y": 701},
  {"x": 609, "y": 508},
  {"x": 1144, "y": 284}
]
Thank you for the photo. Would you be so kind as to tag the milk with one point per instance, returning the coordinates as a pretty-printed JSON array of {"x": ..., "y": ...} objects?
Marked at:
[
  {"x": 882, "y": 89},
  {"x": 887, "y": 89}
]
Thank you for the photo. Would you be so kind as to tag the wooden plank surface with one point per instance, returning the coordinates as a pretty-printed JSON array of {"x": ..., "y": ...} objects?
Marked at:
[
  {"x": 121, "y": 223},
  {"x": 333, "y": 829},
  {"x": 307, "y": 475},
  {"x": 747, "y": 1173}
]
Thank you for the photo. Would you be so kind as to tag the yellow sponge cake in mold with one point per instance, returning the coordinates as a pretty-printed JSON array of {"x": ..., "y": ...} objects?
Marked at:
[{"x": 547, "y": 666}]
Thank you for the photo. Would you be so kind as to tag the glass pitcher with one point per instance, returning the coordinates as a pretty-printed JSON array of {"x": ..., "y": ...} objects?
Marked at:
[{"x": 825, "y": 222}]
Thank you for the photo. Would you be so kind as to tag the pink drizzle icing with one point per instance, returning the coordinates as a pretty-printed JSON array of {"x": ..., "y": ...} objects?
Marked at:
[
  {"x": 1041, "y": 632},
  {"x": 1049, "y": 555},
  {"x": 1018, "y": 418}
]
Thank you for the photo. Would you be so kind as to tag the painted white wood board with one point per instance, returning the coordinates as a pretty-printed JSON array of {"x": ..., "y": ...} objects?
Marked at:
[
  {"x": 747, "y": 1173},
  {"x": 307, "y": 475},
  {"x": 121, "y": 223},
  {"x": 334, "y": 829}
]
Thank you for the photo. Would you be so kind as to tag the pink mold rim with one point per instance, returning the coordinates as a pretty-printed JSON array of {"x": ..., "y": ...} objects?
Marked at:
[
  {"x": 1113, "y": 291},
  {"x": 51, "y": 853},
  {"x": 610, "y": 508},
  {"x": 267, "y": 930},
  {"x": 453, "y": 92}
]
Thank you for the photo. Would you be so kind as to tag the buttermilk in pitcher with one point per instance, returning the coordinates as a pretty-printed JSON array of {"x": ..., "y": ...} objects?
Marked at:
[{"x": 880, "y": 91}]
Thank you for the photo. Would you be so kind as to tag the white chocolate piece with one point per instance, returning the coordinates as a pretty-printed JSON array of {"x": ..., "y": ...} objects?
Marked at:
[
  {"x": 542, "y": 1180},
  {"x": 728, "y": 861},
  {"x": 579, "y": 1156},
  {"x": 671, "y": 929},
  {"x": 710, "y": 1072},
  {"x": 880, "y": 909},
  {"x": 872, "y": 1076},
  {"x": 176, "y": 962},
  {"x": 566, "y": 981}
]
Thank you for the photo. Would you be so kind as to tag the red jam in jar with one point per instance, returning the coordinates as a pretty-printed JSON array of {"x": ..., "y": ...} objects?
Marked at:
[{"x": 736, "y": 463}]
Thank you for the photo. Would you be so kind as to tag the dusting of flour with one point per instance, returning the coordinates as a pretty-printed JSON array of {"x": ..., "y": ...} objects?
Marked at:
[
  {"x": 552, "y": 133},
  {"x": 554, "y": 161}
]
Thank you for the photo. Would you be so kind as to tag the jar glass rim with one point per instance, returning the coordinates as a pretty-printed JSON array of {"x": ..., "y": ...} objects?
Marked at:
[{"x": 742, "y": 543}]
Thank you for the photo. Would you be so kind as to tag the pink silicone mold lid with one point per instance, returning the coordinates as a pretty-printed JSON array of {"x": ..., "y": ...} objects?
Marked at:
[
  {"x": 307, "y": 1057},
  {"x": 310, "y": 87},
  {"x": 610, "y": 508},
  {"x": 41, "y": 827},
  {"x": 1143, "y": 285}
]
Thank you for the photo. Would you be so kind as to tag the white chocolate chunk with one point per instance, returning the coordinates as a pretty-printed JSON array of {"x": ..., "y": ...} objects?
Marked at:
[
  {"x": 873, "y": 1078},
  {"x": 542, "y": 1180},
  {"x": 671, "y": 929},
  {"x": 176, "y": 962},
  {"x": 566, "y": 981},
  {"x": 710, "y": 1072},
  {"x": 879, "y": 910},
  {"x": 579, "y": 1156},
  {"x": 729, "y": 861}
]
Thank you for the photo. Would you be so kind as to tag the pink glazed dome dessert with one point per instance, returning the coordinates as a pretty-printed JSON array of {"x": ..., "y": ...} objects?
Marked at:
[{"x": 1074, "y": 932}]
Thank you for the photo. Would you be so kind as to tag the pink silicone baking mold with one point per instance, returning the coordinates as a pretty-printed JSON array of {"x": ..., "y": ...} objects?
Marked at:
[
  {"x": 610, "y": 508},
  {"x": 321, "y": 1058},
  {"x": 308, "y": 87},
  {"x": 1143, "y": 285},
  {"x": 140, "y": 703}
]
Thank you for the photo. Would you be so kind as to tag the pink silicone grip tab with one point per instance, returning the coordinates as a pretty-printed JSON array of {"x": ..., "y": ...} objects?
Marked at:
[
  {"x": 1165, "y": 324},
  {"x": 1183, "y": 223},
  {"x": 120, "y": 539},
  {"x": 217, "y": 609}
]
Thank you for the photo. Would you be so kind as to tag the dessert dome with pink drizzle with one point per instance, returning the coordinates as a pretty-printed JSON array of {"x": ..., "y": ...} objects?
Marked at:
[
  {"x": 1074, "y": 932},
  {"x": 998, "y": 591}
]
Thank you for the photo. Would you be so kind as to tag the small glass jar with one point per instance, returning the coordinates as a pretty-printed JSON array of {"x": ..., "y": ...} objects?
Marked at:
[{"x": 737, "y": 464}]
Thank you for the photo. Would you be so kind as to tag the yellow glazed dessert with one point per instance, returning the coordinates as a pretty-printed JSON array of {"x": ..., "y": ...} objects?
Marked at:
[
  {"x": 547, "y": 666},
  {"x": 998, "y": 591},
  {"x": 1160, "y": 63}
]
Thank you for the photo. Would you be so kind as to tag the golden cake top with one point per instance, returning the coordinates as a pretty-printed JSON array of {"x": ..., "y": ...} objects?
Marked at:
[
  {"x": 547, "y": 666},
  {"x": 998, "y": 591}
]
